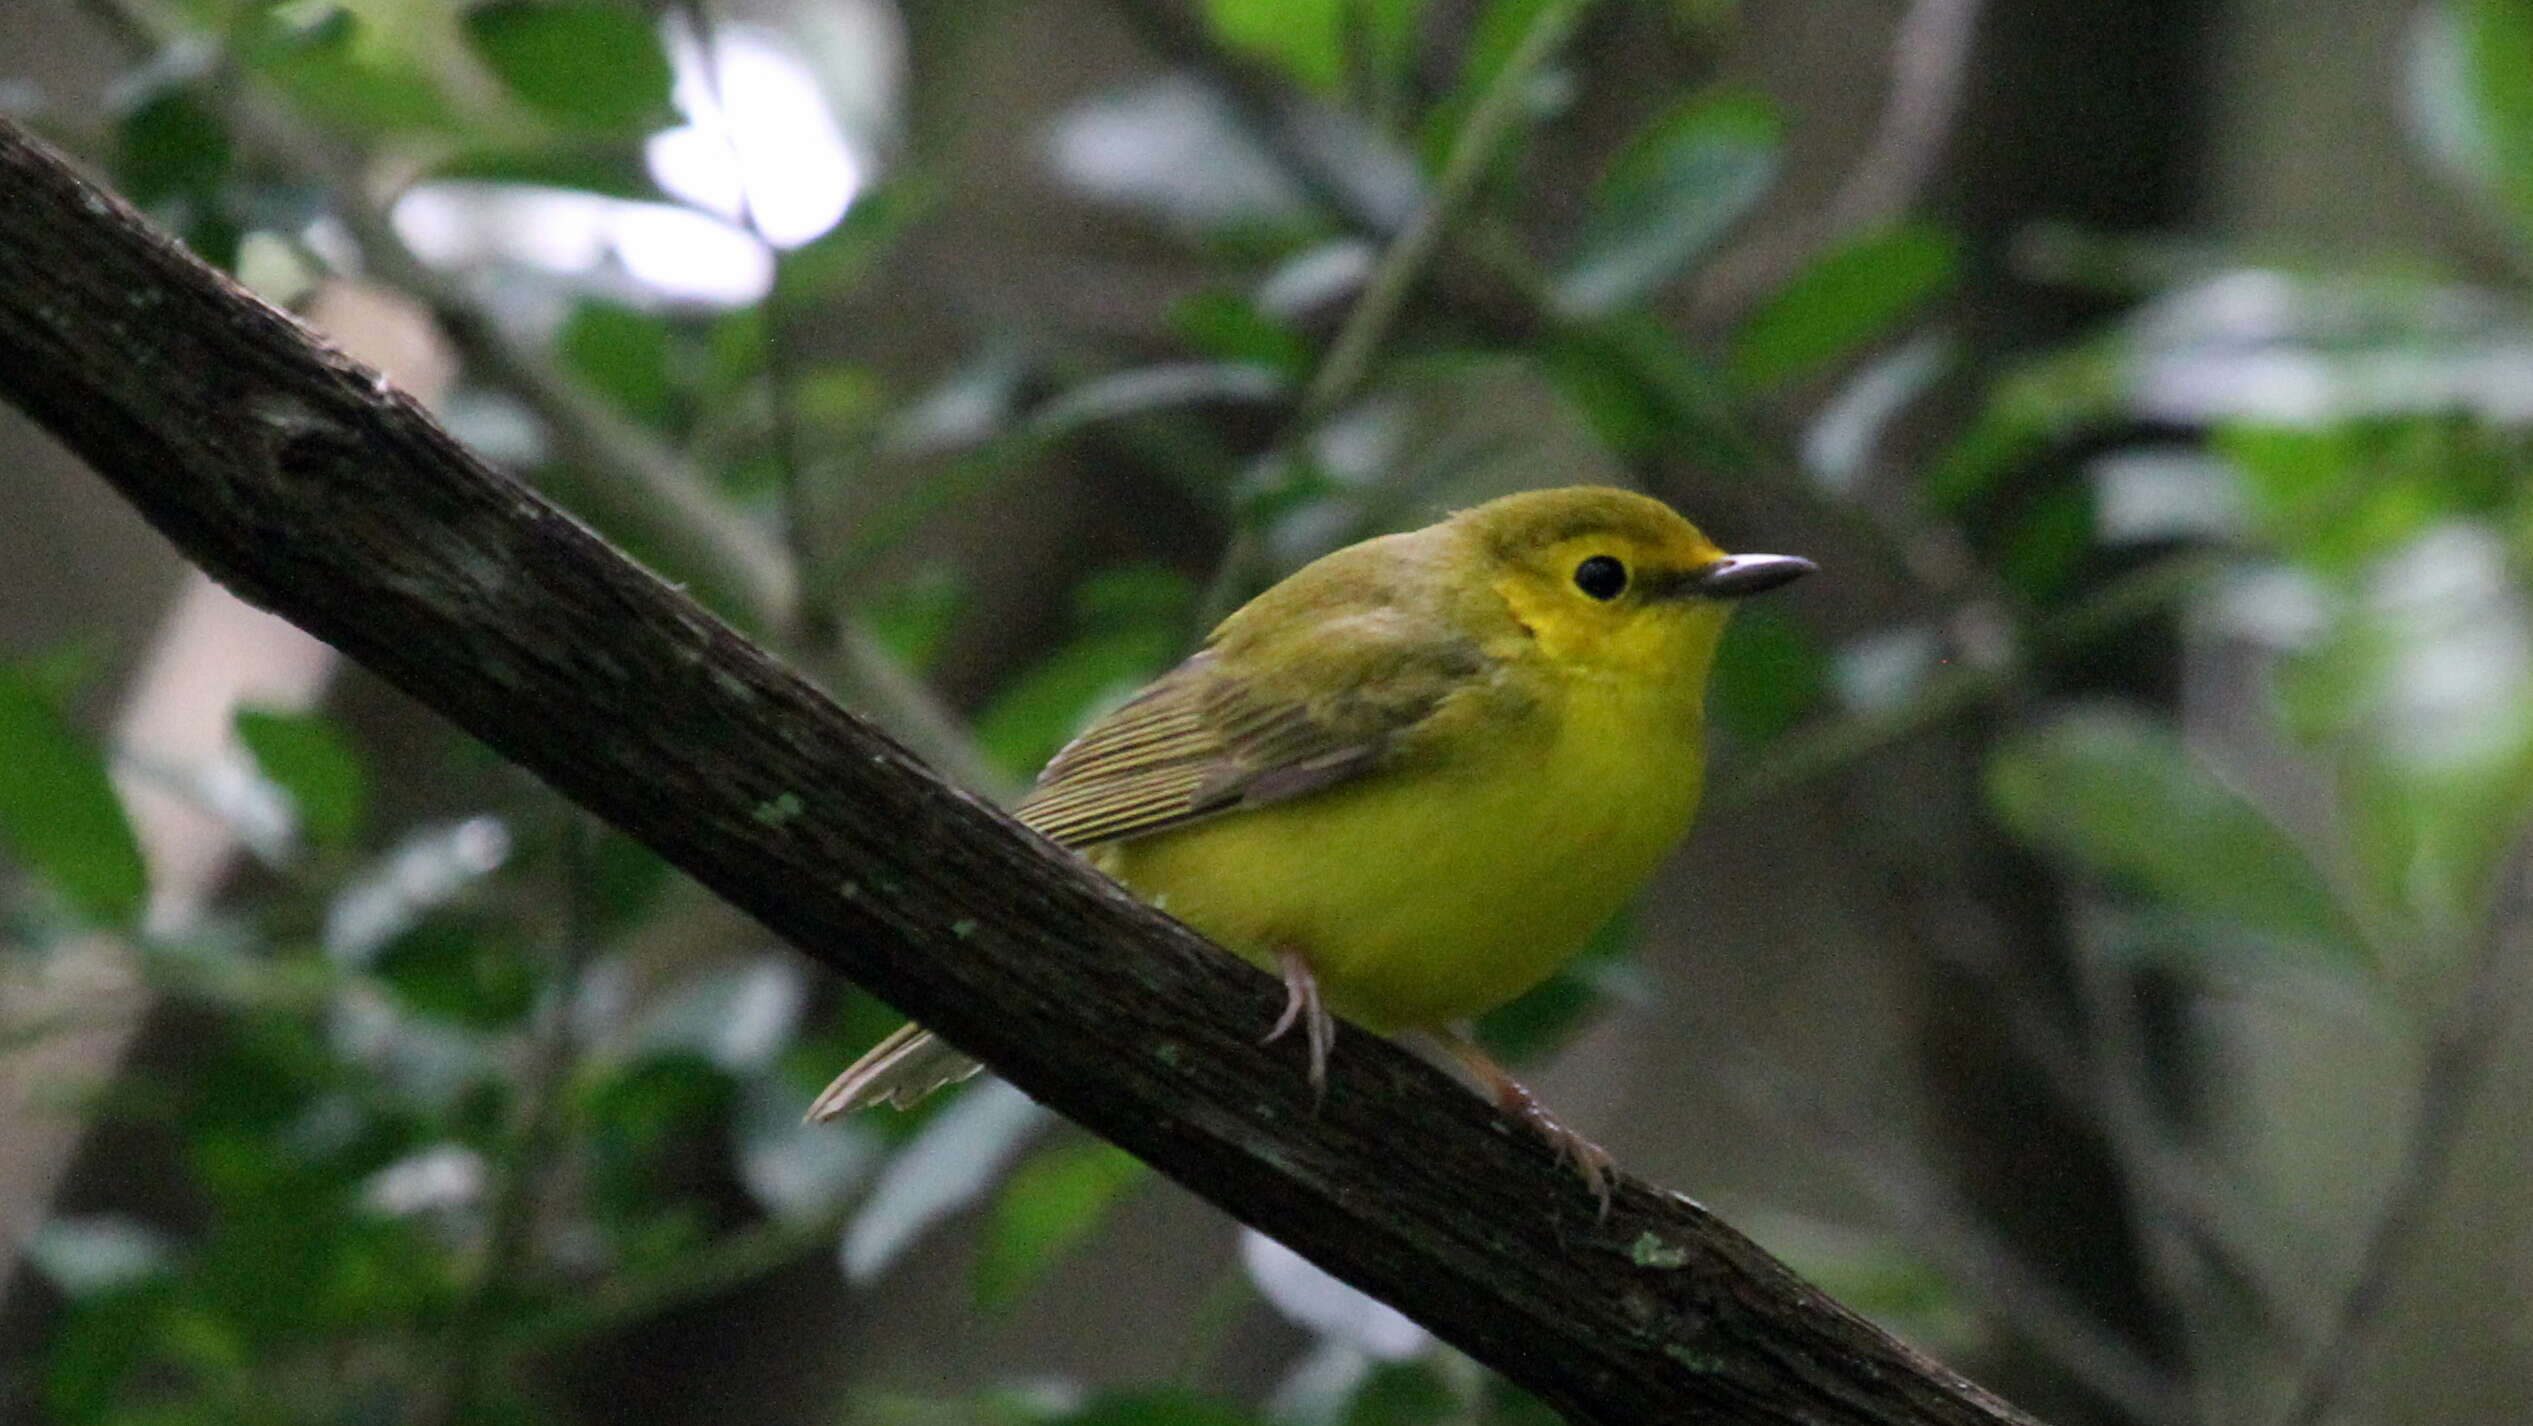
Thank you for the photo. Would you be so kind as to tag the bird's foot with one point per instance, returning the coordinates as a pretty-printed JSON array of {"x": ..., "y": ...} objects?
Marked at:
[
  {"x": 1592, "y": 1162},
  {"x": 1302, "y": 1007}
]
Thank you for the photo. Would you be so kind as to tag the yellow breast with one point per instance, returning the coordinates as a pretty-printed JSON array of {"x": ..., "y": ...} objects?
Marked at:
[{"x": 1437, "y": 892}]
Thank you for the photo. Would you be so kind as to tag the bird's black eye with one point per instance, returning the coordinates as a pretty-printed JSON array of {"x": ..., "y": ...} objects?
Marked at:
[{"x": 1601, "y": 577}]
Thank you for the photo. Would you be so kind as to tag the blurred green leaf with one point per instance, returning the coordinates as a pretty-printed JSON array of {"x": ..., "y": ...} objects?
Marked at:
[
  {"x": 1229, "y": 327},
  {"x": 1308, "y": 39},
  {"x": 2498, "y": 41},
  {"x": 308, "y": 758},
  {"x": 59, "y": 811},
  {"x": 1402, "y": 1394},
  {"x": 1493, "y": 38},
  {"x": 2007, "y": 433},
  {"x": 252, "y": 1076},
  {"x": 170, "y": 144},
  {"x": 1298, "y": 36},
  {"x": 2047, "y": 544},
  {"x": 1770, "y": 672},
  {"x": 1644, "y": 392},
  {"x": 2340, "y": 497},
  {"x": 349, "y": 73},
  {"x": 1627, "y": 418},
  {"x": 839, "y": 399},
  {"x": 1167, "y": 1406},
  {"x": 1666, "y": 202},
  {"x": 581, "y": 64},
  {"x": 625, "y": 878},
  {"x": 2121, "y": 796},
  {"x": 1706, "y": 19},
  {"x": 2431, "y": 840},
  {"x": 1509, "y": 1405},
  {"x": 117, "y": 1337},
  {"x": 650, "y": 1142},
  {"x": 1046, "y": 1209},
  {"x": 912, "y": 618},
  {"x": 647, "y": 1101},
  {"x": 302, "y": 1261},
  {"x": 61, "y": 672},
  {"x": 462, "y": 969},
  {"x": 624, "y": 354},
  {"x": 1850, "y": 297},
  {"x": 733, "y": 362}
]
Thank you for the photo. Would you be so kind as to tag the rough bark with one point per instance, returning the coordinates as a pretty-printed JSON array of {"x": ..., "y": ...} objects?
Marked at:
[{"x": 315, "y": 489}]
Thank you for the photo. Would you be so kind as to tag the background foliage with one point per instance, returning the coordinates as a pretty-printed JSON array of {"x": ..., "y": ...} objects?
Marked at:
[{"x": 2100, "y": 961}]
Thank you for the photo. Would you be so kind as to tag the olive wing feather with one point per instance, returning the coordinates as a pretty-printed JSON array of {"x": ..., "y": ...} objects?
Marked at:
[
  {"x": 1201, "y": 741},
  {"x": 1204, "y": 740}
]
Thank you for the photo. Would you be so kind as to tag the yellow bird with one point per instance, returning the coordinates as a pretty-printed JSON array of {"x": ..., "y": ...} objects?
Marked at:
[{"x": 1412, "y": 778}]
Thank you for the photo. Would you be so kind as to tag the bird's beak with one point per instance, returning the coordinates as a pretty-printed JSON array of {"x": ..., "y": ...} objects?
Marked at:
[{"x": 1735, "y": 576}]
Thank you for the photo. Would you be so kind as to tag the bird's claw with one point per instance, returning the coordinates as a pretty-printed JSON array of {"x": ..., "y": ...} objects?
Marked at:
[
  {"x": 1302, "y": 1007},
  {"x": 1590, "y": 1160}
]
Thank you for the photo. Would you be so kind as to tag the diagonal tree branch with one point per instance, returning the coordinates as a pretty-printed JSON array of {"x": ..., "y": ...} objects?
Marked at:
[
  {"x": 632, "y": 478},
  {"x": 315, "y": 489}
]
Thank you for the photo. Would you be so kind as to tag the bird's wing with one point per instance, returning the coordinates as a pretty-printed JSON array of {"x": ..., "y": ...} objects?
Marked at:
[{"x": 1202, "y": 740}]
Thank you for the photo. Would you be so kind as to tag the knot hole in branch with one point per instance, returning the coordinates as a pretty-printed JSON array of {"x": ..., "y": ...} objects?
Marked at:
[{"x": 304, "y": 445}]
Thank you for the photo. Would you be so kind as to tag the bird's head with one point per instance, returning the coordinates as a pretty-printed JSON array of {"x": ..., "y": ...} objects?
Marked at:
[{"x": 1609, "y": 582}]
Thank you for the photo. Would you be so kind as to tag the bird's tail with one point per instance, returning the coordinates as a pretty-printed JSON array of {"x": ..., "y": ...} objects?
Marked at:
[{"x": 899, "y": 1070}]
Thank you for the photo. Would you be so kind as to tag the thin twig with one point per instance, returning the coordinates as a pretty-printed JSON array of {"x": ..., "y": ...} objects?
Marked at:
[
  {"x": 1267, "y": 109},
  {"x": 1930, "y": 57},
  {"x": 1949, "y": 1233},
  {"x": 2119, "y": 1058},
  {"x": 1402, "y": 264},
  {"x": 625, "y": 1299},
  {"x": 1348, "y": 364},
  {"x": 1217, "y": 1310},
  {"x": 1371, "y": 90},
  {"x": 2458, "y": 1053},
  {"x": 1834, "y": 745},
  {"x": 1930, "y": 61},
  {"x": 813, "y": 623},
  {"x": 526, "y": 1160},
  {"x": 1942, "y": 924},
  {"x": 95, "y": 1012},
  {"x": 814, "y": 619}
]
